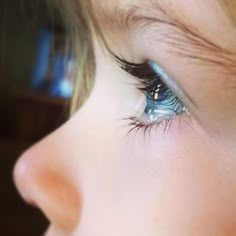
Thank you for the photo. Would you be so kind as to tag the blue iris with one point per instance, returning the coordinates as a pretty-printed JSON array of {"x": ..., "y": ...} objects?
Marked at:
[{"x": 161, "y": 102}]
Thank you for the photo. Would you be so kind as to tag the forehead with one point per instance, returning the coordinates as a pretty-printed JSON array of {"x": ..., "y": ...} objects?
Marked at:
[{"x": 211, "y": 18}]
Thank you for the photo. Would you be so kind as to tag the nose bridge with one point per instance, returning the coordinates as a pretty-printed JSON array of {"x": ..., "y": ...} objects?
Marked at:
[{"x": 43, "y": 179}]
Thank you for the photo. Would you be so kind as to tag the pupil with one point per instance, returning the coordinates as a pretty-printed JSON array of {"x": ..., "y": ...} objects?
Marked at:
[{"x": 159, "y": 93}]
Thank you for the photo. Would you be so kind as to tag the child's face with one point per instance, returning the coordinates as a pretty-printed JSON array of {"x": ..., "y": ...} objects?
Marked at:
[{"x": 97, "y": 176}]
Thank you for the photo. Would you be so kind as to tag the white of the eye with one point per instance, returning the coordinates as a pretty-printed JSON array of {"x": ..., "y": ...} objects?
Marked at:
[
  {"x": 154, "y": 115},
  {"x": 161, "y": 114}
]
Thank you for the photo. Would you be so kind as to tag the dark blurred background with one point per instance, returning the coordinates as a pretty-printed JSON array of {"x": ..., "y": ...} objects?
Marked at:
[{"x": 34, "y": 98}]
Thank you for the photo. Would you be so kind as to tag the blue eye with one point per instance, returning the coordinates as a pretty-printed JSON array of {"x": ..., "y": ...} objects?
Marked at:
[{"x": 161, "y": 102}]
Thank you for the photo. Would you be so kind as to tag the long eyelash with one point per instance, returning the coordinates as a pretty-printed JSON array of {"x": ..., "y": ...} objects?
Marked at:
[{"x": 143, "y": 72}]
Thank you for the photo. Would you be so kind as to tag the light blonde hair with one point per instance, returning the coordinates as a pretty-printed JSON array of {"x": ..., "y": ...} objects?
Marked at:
[{"x": 78, "y": 25}]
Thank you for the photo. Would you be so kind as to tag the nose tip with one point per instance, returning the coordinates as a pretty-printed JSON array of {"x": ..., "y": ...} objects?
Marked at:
[
  {"x": 21, "y": 177},
  {"x": 47, "y": 187}
]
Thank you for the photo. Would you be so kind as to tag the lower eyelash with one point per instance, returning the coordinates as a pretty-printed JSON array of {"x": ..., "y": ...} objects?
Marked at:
[
  {"x": 180, "y": 121},
  {"x": 136, "y": 126}
]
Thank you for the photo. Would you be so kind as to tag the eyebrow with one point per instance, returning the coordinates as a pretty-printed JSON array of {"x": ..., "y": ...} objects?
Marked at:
[{"x": 186, "y": 40}]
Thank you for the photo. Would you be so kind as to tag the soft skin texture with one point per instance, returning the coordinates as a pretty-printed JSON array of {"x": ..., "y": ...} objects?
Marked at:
[{"x": 91, "y": 177}]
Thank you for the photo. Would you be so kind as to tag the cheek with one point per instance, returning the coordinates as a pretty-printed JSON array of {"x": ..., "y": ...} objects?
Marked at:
[{"x": 180, "y": 181}]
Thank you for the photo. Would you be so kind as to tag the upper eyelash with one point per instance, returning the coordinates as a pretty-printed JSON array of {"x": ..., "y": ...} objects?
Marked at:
[{"x": 143, "y": 72}]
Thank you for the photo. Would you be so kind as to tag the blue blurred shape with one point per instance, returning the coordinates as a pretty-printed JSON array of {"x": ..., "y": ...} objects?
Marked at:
[
  {"x": 42, "y": 58},
  {"x": 61, "y": 85}
]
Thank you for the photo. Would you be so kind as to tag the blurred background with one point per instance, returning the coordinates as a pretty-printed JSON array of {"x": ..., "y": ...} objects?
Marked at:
[{"x": 35, "y": 90}]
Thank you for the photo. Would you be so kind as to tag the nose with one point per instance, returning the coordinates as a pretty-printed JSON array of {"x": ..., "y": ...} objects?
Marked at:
[{"x": 42, "y": 179}]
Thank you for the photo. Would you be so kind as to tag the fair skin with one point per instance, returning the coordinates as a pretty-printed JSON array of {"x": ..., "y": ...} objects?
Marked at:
[{"x": 91, "y": 177}]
